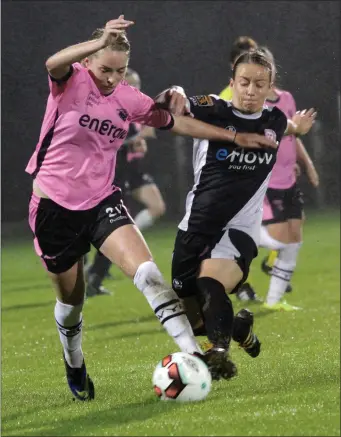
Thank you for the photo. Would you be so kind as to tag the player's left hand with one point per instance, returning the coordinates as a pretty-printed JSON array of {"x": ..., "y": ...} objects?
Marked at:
[
  {"x": 304, "y": 120},
  {"x": 313, "y": 176}
]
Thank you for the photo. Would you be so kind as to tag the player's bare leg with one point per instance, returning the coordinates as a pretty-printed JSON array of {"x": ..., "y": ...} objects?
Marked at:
[{"x": 150, "y": 196}]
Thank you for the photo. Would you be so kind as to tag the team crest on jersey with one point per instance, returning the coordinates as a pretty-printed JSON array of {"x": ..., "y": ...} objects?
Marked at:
[
  {"x": 123, "y": 114},
  {"x": 269, "y": 133},
  {"x": 202, "y": 100}
]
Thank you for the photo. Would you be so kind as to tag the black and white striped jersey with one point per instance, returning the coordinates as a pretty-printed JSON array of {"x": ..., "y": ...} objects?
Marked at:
[{"x": 229, "y": 181}]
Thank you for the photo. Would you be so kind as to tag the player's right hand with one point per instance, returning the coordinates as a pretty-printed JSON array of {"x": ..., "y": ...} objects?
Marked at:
[
  {"x": 313, "y": 176},
  {"x": 113, "y": 28},
  {"x": 254, "y": 141}
]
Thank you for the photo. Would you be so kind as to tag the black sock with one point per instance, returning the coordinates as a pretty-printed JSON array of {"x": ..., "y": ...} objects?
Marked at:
[
  {"x": 99, "y": 269},
  {"x": 217, "y": 311}
]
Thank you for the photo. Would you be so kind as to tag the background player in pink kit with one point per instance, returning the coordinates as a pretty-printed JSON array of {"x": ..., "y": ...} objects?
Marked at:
[
  {"x": 74, "y": 203},
  {"x": 283, "y": 204}
]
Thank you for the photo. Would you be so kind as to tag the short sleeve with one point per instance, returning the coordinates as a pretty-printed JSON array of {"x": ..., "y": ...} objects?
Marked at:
[
  {"x": 145, "y": 111},
  {"x": 280, "y": 125},
  {"x": 206, "y": 107},
  {"x": 57, "y": 86},
  {"x": 291, "y": 104}
]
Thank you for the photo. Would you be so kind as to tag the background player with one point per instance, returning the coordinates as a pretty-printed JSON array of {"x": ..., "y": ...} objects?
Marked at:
[
  {"x": 134, "y": 180},
  {"x": 283, "y": 204},
  {"x": 240, "y": 45}
]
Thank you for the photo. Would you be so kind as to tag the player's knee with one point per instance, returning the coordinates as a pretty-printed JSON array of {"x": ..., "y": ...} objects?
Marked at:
[
  {"x": 158, "y": 209},
  {"x": 70, "y": 285},
  {"x": 268, "y": 241},
  {"x": 147, "y": 274}
]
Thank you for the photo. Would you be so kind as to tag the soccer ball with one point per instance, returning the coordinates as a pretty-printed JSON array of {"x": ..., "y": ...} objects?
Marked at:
[{"x": 182, "y": 377}]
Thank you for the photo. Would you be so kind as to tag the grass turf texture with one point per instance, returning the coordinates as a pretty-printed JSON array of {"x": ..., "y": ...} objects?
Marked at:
[{"x": 291, "y": 389}]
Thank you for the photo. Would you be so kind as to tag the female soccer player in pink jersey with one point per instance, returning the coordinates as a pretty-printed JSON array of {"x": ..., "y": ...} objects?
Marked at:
[
  {"x": 74, "y": 203},
  {"x": 283, "y": 205}
]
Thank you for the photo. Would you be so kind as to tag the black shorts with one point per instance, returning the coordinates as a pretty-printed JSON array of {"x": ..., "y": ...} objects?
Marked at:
[
  {"x": 132, "y": 175},
  {"x": 191, "y": 249},
  {"x": 282, "y": 205},
  {"x": 63, "y": 236}
]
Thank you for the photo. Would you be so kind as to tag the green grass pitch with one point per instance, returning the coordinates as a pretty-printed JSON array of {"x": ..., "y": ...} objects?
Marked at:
[{"x": 291, "y": 389}]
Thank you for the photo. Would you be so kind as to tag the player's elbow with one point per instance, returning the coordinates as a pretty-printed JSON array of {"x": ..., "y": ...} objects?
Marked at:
[
  {"x": 54, "y": 68},
  {"x": 50, "y": 64}
]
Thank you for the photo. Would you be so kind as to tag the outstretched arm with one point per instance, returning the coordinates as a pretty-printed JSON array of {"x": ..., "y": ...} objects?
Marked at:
[
  {"x": 184, "y": 125},
  {"x": 175, "y": 100},
  {"x": 153, "y": 113}
]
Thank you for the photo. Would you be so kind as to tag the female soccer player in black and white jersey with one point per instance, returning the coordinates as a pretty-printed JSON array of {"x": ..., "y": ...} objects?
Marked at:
[{"x": 219, "y": 234}]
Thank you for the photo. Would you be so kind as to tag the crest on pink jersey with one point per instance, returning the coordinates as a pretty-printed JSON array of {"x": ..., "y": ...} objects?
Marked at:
[{"x": 269, "y": 133}]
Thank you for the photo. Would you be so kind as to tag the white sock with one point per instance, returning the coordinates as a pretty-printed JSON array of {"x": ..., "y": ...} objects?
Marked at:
[
  {"x": 166, "y": 306},
  {"x": 267, "y": 241},
  {"x": 69, "y": 324},
  {"x": 282, "y": 272},
  {"x": 144, "y": 219}
]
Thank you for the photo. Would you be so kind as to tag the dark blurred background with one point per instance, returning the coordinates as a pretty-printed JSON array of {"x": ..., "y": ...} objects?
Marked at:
[{"x": 173, "y": 42}]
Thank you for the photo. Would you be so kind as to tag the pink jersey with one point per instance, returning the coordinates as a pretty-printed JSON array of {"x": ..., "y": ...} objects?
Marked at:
[
  {"x": 283, "y": 174},
  {"x": 74, "y": 160}
]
